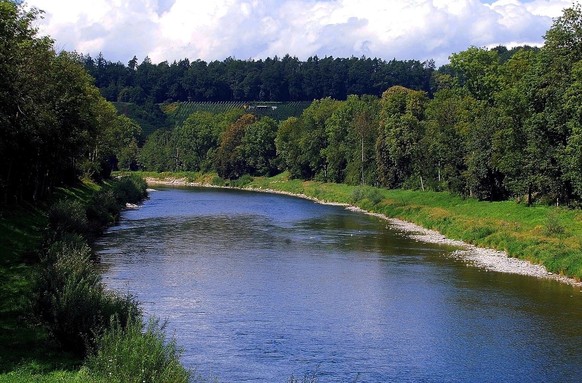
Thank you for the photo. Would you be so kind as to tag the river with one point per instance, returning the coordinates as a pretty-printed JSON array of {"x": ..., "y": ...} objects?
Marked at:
[{"x": 259, "y": 287}]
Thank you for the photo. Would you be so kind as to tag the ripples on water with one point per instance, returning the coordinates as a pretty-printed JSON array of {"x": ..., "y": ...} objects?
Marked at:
[{"x": 258, "y": 287}]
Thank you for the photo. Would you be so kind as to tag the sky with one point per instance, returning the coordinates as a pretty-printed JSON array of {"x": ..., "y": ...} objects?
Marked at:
[{"x": 168, "y": 30}]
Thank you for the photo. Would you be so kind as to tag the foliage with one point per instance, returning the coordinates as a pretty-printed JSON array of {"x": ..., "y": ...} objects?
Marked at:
[
  {"x": 54, "y": 124},
  {"x": 231, "y": 83},
  {"x": 132, "y": 353},
  {"x": 493, "y": 124},
  {"x": 230, "y": 161},
  {"x": 67, "y": 216},
  {"x": 70, "y": 299}
]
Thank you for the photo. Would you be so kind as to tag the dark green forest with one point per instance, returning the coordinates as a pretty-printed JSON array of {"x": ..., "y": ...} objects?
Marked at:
[
  {"x": 272, "y": 79},
  {"x": 492, "y": 124}
]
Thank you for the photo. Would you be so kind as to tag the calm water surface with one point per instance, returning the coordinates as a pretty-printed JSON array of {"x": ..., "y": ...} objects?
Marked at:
[{"x": 258, "y": 287}]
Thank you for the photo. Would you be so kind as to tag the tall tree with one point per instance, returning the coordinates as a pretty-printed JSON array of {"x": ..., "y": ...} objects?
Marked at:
[{"x": 400, "y": 138}]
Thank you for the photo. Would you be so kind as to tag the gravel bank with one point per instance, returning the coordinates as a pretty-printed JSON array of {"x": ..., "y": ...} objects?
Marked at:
[{"x": 487, "y": 259}]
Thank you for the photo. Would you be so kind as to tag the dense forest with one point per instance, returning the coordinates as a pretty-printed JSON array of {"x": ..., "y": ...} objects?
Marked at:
[
  {"x": 272, "y": 79},
  {"x": 495, "y": 124}
]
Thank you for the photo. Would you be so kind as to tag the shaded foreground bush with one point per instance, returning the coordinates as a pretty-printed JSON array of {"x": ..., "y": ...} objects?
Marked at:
[{"x": 72, "y": 302}]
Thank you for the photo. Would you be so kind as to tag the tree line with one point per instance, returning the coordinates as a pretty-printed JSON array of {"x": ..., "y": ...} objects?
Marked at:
[
  {"x": 496, "y": 125},
  {"x": 273, "y": 79},
  {"x": 55, "y": 125},
  {"x": 493, "y": 124}
]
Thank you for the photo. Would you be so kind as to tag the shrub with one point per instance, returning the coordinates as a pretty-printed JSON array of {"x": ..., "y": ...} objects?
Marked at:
[
  {"x": 71, "y": 300},
  {"x": 554, "y": 226},
  {"x": 357, "y": 195},
  {"x": 67, "y": 216},
  {"x": 241, "y": 181},
  {"x": 103, "y": 209},
  {"x": 373, "y": 195},
  {"x": 129, "y": 189},
  {"x": 217, "y": 181},
  {"x": 137, "y": 354}
]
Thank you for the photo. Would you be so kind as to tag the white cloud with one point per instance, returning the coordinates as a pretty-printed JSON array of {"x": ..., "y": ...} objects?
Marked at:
[{"x": 215, "y": 29}]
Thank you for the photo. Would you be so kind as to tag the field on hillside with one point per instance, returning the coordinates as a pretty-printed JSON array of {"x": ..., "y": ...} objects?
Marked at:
[{"x": 178, "y": 112}]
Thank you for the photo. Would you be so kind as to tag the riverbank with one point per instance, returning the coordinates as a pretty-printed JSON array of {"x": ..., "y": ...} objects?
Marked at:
[
  {"x": 59, "y": 321},
  {"x": 480, "y": 224}
]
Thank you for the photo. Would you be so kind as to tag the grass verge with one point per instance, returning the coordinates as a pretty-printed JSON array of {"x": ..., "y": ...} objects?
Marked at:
[{"x": 55, "y": 309}]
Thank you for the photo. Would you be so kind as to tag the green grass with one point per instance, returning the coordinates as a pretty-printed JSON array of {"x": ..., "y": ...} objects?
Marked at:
[
  {"x": 24, "y": 347},
  {"x": 541, "y": 234},
  {"x": 27, "y": 352}
]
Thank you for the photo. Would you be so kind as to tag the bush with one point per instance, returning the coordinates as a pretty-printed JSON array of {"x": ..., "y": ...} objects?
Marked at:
[
  {"x": 103, "y": 208},
  {"x": 357, "y": 195},
  {"x": 241, "y": 181},
  {"x": 71, "y": 300},
  {"x": 129, "y": 189},
  {"x": 373, "y": 195},
  {"x": 554, "y": 226},
  {"x": 137, "y": 354},
  {"x": 67, "y": 216},
  {"x": 218, "y": 181}
]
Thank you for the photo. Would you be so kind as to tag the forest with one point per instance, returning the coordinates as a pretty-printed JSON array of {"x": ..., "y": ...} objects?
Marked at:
[
  {"x": 272, "y": 79},
  {"x": 492, "y": 124}
]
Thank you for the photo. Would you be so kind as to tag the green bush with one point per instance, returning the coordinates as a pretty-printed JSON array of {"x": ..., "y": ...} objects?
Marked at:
[
  {"x": 373, "y": 195},
  {"x": 554, "y": 226},
  {"x": 241, "y": 181},
  {"x": 217, "y": 181},
  {"x": 137, "y": 354},
  {"x": 67, "y": 216},
  {"x": 129, "y": 189},
  {"x": 71, "y": 301},
  {"x": 103, "y": 209},
  {"x": 357, "y": 195}
]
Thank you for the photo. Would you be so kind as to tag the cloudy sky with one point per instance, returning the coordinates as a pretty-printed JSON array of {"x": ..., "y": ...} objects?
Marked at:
[{"x": 254, "y": 29}]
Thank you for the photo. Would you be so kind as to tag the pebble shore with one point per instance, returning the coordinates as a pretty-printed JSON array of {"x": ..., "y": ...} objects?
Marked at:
[{"x": 488, "y": 259}]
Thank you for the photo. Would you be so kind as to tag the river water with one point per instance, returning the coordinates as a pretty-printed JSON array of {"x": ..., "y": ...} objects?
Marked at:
[{"x": 259, "y": 287}]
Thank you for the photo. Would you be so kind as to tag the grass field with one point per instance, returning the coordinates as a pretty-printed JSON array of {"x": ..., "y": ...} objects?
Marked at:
[{"x": 179, "y": 111}]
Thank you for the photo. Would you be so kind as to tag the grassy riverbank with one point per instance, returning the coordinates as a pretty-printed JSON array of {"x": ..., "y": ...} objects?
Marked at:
[
  {"x": 27, "y": 352},
  {"x": 547, "y": 235},
  {"x": 59, "y": 323}
]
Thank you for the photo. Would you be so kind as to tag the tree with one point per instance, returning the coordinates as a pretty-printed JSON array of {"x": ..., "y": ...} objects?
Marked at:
[
  {"x": 351, "y": 134},
  {"x": 197, "y": 138},
  {"x": 258, "y": 147},
  {"x": 230, "y": 161},
  {"x": 449, "y": 118},
  {"x": 478, "y": 71},
  {"x": 287, "y": 146},
  {"x": 314, "y": 139},
  {"x": 400, "y": 137},
  {"x": 158, "y": 154}
]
